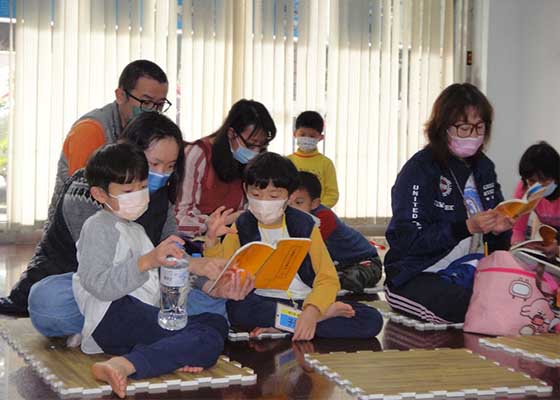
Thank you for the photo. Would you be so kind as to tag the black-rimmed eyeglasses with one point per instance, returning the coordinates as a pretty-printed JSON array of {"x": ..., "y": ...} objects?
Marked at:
[
  {"x": 148, "y": 105},
  {"x": 253, "y": 146},
  {"x": 464, "y": 130}
]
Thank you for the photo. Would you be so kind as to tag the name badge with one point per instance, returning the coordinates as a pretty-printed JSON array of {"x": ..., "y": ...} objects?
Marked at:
[{"x": 286, "y": 317}]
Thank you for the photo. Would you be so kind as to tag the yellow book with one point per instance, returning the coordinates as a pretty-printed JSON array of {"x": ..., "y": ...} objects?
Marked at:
[
  {"x": 516, "y": 207},
  {"x": 274, "y": 267}
]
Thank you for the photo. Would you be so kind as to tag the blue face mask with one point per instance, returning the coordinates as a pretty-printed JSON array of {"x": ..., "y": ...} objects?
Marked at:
[
  {"x": 136, "y": 111},
  {"x": 550, "y": 188},
  {"x": 156, "y": 180},
  {"x": 243, "y": 154}
]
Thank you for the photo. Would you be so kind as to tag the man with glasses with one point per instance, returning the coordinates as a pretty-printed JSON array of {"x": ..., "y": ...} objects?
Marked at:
[{"x": 142, "y": 87}]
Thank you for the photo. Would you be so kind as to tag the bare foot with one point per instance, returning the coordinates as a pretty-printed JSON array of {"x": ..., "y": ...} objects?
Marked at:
[
  {"x": 339, "y": 309},
  {"x": 259, "y": 331},
  {"x": 191, "y": 370},
  {"x": 114, "y": 372}
]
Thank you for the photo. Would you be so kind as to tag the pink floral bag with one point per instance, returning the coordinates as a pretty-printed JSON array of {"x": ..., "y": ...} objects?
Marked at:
[{"x": 506, "y": 300}]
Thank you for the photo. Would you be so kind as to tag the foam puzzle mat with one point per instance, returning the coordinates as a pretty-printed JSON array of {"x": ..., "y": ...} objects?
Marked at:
[
  {"x": 423, "y": 374},
  {"x": 543, "y": 348},
  {"x": 67, "y": 370},
  {"x": 238, "y": 336},
  {"x": 385, "y": 309}
]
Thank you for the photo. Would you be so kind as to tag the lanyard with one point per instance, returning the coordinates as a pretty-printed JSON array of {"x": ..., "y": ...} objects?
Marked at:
[{"x": 478, "y": 239}]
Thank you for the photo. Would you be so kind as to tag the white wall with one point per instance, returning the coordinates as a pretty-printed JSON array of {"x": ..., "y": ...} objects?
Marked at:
[{"x": 522, "y": 80}]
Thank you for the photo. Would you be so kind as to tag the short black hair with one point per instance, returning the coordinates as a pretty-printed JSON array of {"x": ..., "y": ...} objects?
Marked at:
[
  {"x": 120, "y": 163},
  {"x": 271, "y": 167},
  {"x": 310, "y": 119},
  {"x": 149, "y": 127},
  {"x": 542, "y": 160},
  {"x": 139, "y": 69},
  {"x": 310, "y": 183},
  {"x": 242, "y": 114}
]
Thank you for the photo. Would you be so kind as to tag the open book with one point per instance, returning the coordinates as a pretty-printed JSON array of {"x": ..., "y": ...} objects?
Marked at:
[
  {"x": 274, "y": 267},
  {"x": 545, "y": 235},
  {"x": 516, "y": 207}
]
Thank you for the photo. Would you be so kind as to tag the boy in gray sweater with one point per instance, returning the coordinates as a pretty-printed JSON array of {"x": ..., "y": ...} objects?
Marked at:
[{"x": 117, "y": 288}]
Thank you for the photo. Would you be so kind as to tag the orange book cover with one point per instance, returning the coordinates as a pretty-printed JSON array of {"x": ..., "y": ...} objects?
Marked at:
[
  {"x": 274, "y": 267},
  {"x": 516, "y": 207}
]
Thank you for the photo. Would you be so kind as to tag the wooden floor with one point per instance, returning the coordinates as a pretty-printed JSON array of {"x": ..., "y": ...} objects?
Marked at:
[{"x": 277, "y": 363}]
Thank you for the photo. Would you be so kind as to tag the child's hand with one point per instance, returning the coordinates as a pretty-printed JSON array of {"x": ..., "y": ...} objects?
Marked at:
[
  {"x": 234, "y": 285},
  {"x": 209, "y": 267},
  {"x": 307, "y": 323},
  {"x": 217, "y": 224},
  {"x": 158, "y": 256}
]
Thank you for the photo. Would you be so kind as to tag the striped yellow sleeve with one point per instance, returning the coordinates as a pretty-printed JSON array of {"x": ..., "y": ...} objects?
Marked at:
[
  {"x": 326, "y": 284},
  {"x": 224, "y": 249},
  {"x": 329, "y": 194}
]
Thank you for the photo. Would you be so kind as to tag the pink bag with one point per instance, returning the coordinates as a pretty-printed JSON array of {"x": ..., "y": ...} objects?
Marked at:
[{"x": 506, "y": 300}]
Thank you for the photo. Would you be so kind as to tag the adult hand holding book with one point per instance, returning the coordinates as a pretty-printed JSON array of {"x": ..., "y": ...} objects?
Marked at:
[{"x": 489, "y": 221}]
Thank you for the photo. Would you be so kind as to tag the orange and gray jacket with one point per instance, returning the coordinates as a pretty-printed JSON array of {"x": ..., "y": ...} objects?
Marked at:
[{"x": 89, "y": 132}]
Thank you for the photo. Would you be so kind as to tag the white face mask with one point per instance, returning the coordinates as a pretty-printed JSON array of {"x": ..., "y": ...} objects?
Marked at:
[
  {"x": 550, "y": 188},
  {"x": 307, "y": 143},
  {"x": 131, "y": 205},
  {"x": 267, "y": 211}
]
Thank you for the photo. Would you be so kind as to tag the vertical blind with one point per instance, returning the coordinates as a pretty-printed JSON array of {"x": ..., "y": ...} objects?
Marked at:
[{"x": 372, "y": 68}]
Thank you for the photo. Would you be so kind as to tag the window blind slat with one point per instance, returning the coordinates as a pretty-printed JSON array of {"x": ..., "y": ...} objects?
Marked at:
[{"x": 371, "y": 67}]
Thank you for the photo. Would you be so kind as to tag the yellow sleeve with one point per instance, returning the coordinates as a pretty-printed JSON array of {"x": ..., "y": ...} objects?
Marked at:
[
  {"x": 224, "y": 249},
  {"x": 326, "y": 284},
  {"x": 329, "y": 195}
]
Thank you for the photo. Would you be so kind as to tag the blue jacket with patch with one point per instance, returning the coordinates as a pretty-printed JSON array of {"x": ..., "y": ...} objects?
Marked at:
[{"x": 429, "y": 217}]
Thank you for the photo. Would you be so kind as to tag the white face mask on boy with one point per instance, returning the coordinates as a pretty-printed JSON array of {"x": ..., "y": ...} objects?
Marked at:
[
  {"x": 307, "y": 143},
  {"x": 131, "y": 205},
  {"x": 267, "y": 211}
]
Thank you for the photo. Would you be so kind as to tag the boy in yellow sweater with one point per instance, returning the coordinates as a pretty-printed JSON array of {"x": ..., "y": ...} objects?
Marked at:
[
  {"x": 269, "y": 181},
  {"x": 308, "y": 133}
]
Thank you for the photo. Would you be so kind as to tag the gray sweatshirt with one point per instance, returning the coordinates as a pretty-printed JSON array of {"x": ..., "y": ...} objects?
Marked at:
[{"x": 108, "y": 252}]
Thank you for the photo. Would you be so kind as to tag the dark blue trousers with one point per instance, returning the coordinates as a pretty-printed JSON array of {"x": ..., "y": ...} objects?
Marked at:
[
  {"x": 130, "y": 329},
  {"x": 260, "y": 312}
]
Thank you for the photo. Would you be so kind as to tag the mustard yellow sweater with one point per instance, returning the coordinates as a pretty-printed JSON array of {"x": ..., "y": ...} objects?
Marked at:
[{"x": 323, "y": 167}]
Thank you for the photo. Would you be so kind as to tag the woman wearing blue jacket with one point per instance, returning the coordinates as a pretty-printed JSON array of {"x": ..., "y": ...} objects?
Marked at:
[{"x": 443, "y": 215}]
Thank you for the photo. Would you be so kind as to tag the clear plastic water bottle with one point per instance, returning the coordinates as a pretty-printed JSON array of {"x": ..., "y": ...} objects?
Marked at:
[{"x": 174, "y": 286}]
